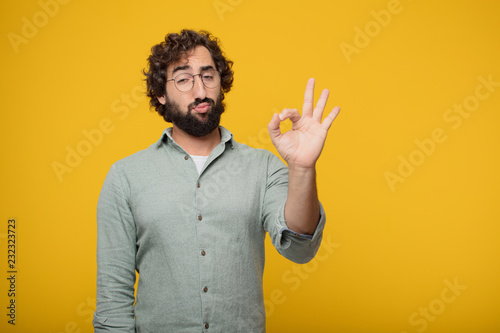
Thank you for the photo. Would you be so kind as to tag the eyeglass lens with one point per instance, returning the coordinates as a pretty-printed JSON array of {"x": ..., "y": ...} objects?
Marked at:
[{"x": 185, "y": 81}]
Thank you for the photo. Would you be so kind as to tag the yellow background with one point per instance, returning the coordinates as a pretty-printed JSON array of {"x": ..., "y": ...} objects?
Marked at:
[{"x": 391, "y": 248}]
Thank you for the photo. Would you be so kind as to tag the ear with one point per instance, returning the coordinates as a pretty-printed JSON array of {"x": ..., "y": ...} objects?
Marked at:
[{"x": 161, "y": 99}]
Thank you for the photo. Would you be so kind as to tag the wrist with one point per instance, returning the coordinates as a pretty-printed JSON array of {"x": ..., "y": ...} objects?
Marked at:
[{"x": 301, "y": 169}]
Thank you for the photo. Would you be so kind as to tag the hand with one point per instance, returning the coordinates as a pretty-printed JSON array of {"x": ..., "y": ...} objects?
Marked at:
[{"x": 301, "y": 146}]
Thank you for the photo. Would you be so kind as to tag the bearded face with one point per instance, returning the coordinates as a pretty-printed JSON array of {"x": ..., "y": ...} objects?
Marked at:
[{"x": 192, "y": 122}]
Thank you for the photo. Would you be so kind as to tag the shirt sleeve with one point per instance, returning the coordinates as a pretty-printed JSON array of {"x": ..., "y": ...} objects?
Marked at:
[
  {"x": 296, "y": 247},
  {"x": 116, "y": 250}
]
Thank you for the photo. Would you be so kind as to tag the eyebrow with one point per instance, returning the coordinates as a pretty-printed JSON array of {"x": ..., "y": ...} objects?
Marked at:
[
  {"x": 181, "y": 68},
  {"x": 204, "y": 68}
]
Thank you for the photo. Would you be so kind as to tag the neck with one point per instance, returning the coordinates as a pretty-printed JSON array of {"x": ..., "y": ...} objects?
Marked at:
[{"x": 201, "y": 146}]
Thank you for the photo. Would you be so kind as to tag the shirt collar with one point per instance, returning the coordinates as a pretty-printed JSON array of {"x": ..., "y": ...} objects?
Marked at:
[{"x": 166, "y": 137}]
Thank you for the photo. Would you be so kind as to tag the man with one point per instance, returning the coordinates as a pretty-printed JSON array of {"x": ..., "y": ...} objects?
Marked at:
[{"x": 190, "y": 213}]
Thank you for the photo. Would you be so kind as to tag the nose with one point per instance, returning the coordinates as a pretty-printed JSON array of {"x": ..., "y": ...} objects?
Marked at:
[{"x": 199, "y": 90}]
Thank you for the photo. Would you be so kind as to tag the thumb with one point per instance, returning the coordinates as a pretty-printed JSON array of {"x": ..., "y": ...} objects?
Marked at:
[{"x": 274, "y": 128}]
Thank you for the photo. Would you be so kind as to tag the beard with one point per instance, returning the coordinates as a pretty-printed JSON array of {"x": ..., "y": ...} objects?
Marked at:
[{"x": 190, "y": 123}]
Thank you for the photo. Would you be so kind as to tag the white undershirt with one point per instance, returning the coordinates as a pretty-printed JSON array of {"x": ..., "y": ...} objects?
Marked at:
[{"x": 199, "y": 161}]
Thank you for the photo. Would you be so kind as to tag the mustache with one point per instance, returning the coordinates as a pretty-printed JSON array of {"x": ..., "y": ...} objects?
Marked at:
[{"x": 199, "y": 101}]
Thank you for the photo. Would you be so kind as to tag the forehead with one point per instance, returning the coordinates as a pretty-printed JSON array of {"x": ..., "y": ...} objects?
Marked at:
[{"x": 193, "y": 60}]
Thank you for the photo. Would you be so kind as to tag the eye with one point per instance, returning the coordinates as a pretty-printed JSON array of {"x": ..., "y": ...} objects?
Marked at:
[{"x": 183, "y": 80}]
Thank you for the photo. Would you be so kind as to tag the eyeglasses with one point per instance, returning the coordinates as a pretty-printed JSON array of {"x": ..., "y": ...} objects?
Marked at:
[{"x": 184, "y": 82}]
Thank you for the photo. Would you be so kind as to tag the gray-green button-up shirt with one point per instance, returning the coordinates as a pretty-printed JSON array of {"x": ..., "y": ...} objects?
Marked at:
[{"x": 196, "y": 240}]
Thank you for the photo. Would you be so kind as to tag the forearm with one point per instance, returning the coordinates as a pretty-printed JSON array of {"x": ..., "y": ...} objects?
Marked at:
[{"x": 302, "y": 205}]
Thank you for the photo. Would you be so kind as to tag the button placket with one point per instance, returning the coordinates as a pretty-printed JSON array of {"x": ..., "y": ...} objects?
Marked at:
[
  {"x": 204, "y": 260},
  {"x": 199, "y": 214}
]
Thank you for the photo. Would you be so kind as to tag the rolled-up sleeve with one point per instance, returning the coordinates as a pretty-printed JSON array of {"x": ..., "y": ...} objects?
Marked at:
[
  {"x": 296, "y": 247},
  {"x": 116, "y": 251}
]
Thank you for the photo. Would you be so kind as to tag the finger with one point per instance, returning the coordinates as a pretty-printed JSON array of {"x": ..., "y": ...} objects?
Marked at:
[
  {"x": 331, "y": 117},
  {"x": 274, "y": 127},
  {"x": 292, "y": 114},
  {"x": 320, "y": 106},
  {"x": 307, "y": 108}
]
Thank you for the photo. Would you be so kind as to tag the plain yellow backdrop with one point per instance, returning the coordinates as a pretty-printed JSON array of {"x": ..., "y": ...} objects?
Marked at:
[{"x": 409, "y": 176}]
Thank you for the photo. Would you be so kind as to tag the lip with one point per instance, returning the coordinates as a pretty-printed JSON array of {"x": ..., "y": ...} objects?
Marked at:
[{"x": 202, "y": 108}]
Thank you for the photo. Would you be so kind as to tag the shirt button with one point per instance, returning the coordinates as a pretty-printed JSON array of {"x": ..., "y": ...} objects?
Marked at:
[
  {"x": 186, "y": 157},
  {"x": 205, "y": 289},
  {"x": 203, "y": 253},
  {"x": 206, "y": 325},
  {"x": 199, "y": 217},
  {"x": 198, "y": 185}
]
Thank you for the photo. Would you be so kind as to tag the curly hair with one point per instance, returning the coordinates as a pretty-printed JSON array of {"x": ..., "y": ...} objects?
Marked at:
[{"x": 173, "y": 49}]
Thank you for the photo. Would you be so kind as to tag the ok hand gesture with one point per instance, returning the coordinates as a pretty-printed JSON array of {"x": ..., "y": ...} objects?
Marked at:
[{"x": 301, "y": 146}]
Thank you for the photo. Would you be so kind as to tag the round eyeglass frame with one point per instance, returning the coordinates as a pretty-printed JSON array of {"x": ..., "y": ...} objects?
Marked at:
[{"x": 192, "y": 80}]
